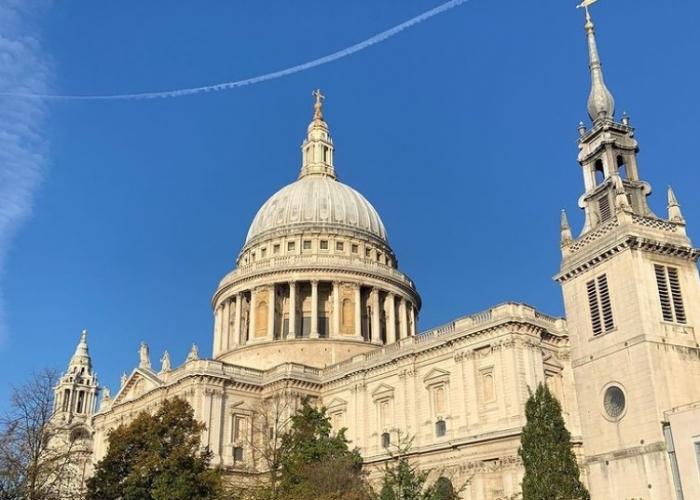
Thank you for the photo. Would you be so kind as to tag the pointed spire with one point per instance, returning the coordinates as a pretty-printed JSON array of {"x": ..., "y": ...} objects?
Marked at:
[
  {"x": 674, "y": 209},
  {"x": 81, "y": 357},
  {"x": 601, "y": 104},
  {"x": 566, "y": 237},
  {"x": 317, "y": 149}
]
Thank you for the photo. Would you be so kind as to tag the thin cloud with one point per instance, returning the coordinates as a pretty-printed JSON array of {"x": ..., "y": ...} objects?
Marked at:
[
  {"x": 23, "y": 145},
  {"x": 380, "y": 37}
]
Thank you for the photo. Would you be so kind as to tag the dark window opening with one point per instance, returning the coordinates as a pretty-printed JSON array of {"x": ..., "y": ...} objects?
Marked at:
[
  {"x": 599, "y": 172},
  {"x": 386, "y": 440},
  {"x": 237, "y": 453},
  {"x": 440, "y": 428}
]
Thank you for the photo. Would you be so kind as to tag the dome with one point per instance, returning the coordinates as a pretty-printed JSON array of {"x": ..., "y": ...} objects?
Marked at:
[{"x": 320, "y": 203}]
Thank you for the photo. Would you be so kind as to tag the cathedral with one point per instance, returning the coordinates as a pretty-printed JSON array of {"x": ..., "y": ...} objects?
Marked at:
[{"x": 317, "y": 306}]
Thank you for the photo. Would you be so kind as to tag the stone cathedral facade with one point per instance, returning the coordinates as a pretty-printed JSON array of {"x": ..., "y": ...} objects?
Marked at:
[{"x": 317, "y": 306}]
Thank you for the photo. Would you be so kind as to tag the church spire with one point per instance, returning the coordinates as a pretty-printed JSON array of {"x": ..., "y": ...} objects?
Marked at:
[
  {"x": 601, "y": 104},
  {"x": 77, "y": 389},
  {"x": 317, "y": 149},
  {"x": 81, "y": 357}
]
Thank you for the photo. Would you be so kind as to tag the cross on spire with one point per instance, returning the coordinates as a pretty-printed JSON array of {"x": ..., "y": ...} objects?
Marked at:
[{"x": 318, "y": 115}]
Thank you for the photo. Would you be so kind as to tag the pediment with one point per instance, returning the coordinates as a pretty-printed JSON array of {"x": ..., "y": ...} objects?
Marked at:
[
  {"x": 551, "y": 364},
  {"x": 436, "y": 375},
  {"x": 336, "y": 404},
  {"x": 139, "y": 382},
  {"x": 383, "y": 391}
]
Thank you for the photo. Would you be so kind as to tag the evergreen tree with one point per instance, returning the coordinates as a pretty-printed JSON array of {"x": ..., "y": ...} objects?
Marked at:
[
  {"x": 156, "y": 457},
  {"x": 316, "y": 463},
  {"x": 551, "y": 471}
]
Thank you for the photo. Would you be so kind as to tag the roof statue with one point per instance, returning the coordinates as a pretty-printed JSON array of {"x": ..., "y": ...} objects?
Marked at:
[
  {"x": 318, "y": 114},
  {"x": 165, "y": 362},
  {"x": 144, "y": 357}
]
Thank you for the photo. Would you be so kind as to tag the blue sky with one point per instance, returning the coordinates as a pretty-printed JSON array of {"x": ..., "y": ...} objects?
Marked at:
[{"x": 461, "y": 131}]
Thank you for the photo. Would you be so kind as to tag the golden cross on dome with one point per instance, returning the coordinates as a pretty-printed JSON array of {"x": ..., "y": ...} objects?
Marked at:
[{"x": 317, "y": 107}]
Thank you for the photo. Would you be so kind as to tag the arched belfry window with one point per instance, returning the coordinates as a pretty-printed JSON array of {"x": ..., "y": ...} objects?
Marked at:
[{"x": 599, "y": 172}]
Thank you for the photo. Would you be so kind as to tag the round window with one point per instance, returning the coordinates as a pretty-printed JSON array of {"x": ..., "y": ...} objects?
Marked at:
[{"x": 614, "y": 401}]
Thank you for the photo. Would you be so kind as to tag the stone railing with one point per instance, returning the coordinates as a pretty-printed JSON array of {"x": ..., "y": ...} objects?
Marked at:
[
  {"x": 466, "y": 325},
  {"x": 339, "y": 262}
]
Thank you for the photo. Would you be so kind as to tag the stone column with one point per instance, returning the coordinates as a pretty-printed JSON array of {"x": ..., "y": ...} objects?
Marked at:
[
  {"x": 314, "y": 309},
  {"x": 358, "y": 312},
  {"x": 292, "y": 310},
  {"x": 226, "y": 327},
  {"x": 403, "y": 319},
  {"x": 237, "y": 323},
  {"x": 335, "y": 332},
  {"x": 391, "y": 319},
  {"x": 414, "y": 327},
  {"x": 271, "y": 313},
  {"x": 375, "y": 317},
  {"x": 251, "y": 316}
]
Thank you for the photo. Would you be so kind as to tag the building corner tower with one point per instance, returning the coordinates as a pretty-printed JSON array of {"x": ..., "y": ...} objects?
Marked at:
[
  {"x": 632, "y": 300},
  {"x": 75, "y": 398}
]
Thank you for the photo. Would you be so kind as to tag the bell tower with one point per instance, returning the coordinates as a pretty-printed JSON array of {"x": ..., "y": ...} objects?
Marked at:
[
  {"x": 632, "y": 299},
  {"x": 75, "y": 395}
]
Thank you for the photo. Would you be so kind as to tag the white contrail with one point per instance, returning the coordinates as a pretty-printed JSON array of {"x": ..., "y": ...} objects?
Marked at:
[
  {"x": 23, "y": 148},
  {"x": 261, "y": 78}
]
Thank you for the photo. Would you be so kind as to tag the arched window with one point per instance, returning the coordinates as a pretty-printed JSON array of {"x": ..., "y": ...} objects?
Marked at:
[
  {"x": 444, "y": 490},
  {"x": 599, "y": 172},
  {"x": 261, "y": 311},
  {"x": 488, "y": 387},
  {"x": 439, "y": 400}
]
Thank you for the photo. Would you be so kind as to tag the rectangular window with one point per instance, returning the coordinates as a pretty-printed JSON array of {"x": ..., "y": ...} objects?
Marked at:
[
  {"x": 696, "y": 445},
  {"x": 306, "y": 245},
  {"x": 355, "y": 249},
  {"x": 306, "y": 326},
  {"x": 368, "y": 252},
  {"x": 276, "y": 248},
  {"x": 239, "y": 428},
  {"x": 324, "y": 244},
  {"x": 237, "y": 454},
  {"x": 263, "y": 253},
  {"x": 600, "y": 305},
  {"x": 670, "y": 296},
  {"x": 323, "y": 326},
  {"x": 440, "y": 428},
  {"x": 386, "y": 440},
  {"x": 339, "y": 246},
  {"x": 290, "y": 246}
]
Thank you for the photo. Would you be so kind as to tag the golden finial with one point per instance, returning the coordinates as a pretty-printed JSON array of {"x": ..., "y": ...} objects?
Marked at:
[
  {"x": 318, "y": 115},
  {"x": 584, "y": 5}
]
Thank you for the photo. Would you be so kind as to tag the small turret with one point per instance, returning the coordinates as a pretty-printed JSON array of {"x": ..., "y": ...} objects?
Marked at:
[
  {"x": 674, "y": 209},
  {"x": 566, "y": 237}
]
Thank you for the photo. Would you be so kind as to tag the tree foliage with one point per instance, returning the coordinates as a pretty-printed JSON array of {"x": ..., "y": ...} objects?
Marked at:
[
  {"x": 156, "y": 457},
  {"x": 403, "y": 480},
  {"x": 38, "y": 461},
  {"x": 551, "y": 471},
  {"x": 315, "y": 462}
]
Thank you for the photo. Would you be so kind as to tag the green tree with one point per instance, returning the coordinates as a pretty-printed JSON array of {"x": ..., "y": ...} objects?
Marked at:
[
  {"x": 403, "y": 480},
  {"x": 551, "y": 471},
  {"x": 316, "y": 463},
  {"x": 156, "y": 457}
]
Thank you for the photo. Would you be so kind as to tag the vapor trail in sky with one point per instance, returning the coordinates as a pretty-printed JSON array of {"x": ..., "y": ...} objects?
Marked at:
[
  {"x": 261, "y": 78},
  {"x": 23, "y": 147}
]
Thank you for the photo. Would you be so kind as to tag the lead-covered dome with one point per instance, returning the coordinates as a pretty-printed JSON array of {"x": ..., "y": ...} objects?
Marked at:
[{"x": 317, "y": 202}]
